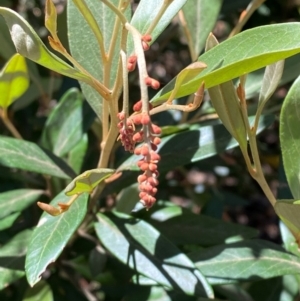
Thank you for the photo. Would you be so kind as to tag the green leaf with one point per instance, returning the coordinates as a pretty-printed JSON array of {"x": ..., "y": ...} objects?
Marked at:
[
  {"x": 183, "y": 227},
  {"x": 67, "y": 123},
  {"x": 145, "y": 14},
  {"x": 128, "y": 198},
  {"x": 17, "y": 200},
  {"x": 245, "y": 261},
  {"x": 77, "y": 154},
  {"x": 196, "y": 144},
  {"x": 12, "y": 258},
  {"x": 9, "y": 220},
  {"x": 82, "y": 41},
  {"x": 14, "y": 80},
  {"x": 290, "y": 72},
  {"x": 289, "y": 211},
  {"x": 40, "y": 292},
  {"x": 248, "y": 51},
  {"x": 289, "y": 137},
  {"x": 87, "y": 181},
  {"x": 200, "y": 17},
  {"x": 285, "y": 288},
  {"x": 16, "y": 153},
  {"x": 141, "y": 247},
  {"x": 233, "y": 292},
  {"x": 29, "y": 45},
  {"x": 51, "y": 235}
]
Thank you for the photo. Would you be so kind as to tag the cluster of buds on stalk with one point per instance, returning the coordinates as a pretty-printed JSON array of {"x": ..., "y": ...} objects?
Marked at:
[
  {"x": 137, "y": 133},
  {"x": 138, "y": 129}
]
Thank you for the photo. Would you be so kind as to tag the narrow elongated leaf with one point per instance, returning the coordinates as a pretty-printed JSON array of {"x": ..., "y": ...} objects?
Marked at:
[
  {"x": 271, "y": 80},
  {"x": 87, "y": 181},
  {"x": 244, "y": 261},
  {"x": 183, "y": 227},
  {"x": 51, "y": 235},
  {"x": 12, "y": 258},
  {"x": 200, "y": 17},
  {"x": 17, "y": 200},
  {"x": 9, "y": 220},
  {"x": 26, "y": 155},
  {"x": 144, "y": 249},
  {"x": 40, "y": 292},
  {"x": 289, "y": 212},
  {"x": 145, "y": 14},
  {"x": 186, "y": 75},
  {"x": 248, "y": 51},
  {"x": 14, "y": 80},
  {"x": 67, "y": 123},
  {"x": 28, "y": 44},
  {"x": 290, "y": 72},
  {"x": 77, "y": 154},
  {"x": 289, "y": 137},
  {"x": 85, "y": 49},
  {"x": 194, "y": 145}
]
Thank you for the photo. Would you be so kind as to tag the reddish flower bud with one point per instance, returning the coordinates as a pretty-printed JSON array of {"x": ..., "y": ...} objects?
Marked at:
[
  {"x": 152, "y": 167},
  {"x": 156, "y": 129},
  {"x": 132, "y": 59},
  {"x": 156, "y": 140},
  {"x": 144, "y": 150},
  {"x": 145, "y": 119},
  {"x": 137, "y": 137},
  {"x": 146, "y": 38},
  {"x": 145, "y": 46},
  {"x": 137, "y": 119},
  {"x": 137, "y": 106},
  {"x": 142, "y": 178},
  {"x": 144, "y": 166},
  {"x": 130, "y": 67}
]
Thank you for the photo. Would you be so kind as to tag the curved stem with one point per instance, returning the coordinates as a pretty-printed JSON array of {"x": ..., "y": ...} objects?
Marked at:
[{"x": 9, "y": 124}]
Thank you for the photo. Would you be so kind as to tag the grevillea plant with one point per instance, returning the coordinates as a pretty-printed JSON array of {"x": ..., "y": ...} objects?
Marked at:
[{"x": 170, "y": 251}]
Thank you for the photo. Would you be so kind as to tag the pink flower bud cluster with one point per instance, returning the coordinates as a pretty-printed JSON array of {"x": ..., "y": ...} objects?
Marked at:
[{"x": 148, "y": 140}]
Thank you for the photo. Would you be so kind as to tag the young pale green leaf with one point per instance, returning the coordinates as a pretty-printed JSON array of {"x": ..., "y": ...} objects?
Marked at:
[
  {"x": 196, "y": 144},
  {"x": 245, "y": 261},
  {"x": 14, "y": 80},
  {"x": 288, "y": 211},
  {"x": 85, "y": 48},
  {"x": 67, "y": 123},
  {"x": 12, "y": 258},
  {"x": 248, "y": 51},
  {"x": 183, "y": 227},
  {"x": 146, "y": 13},
  {"x": 51, "y": 18},
  {"x": 17, "y": 200},
  {"x": 186, "y": 75},
  {"x": 87, "y": 181},
  {"x": 289, "y": 137},
  {"x": 51, "y": 235},
  {"x": 16, "y": 153},
  {"x": 200, "y": 18},
  {"x": 40, "y": 292},
  {"x": 227, "y": 105},
  {"x": 271, "y": 79},
  {"x": 141, "y": 247},
  {"x": 29, "y": 45},
  {"x": 290, "y": 72}
]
